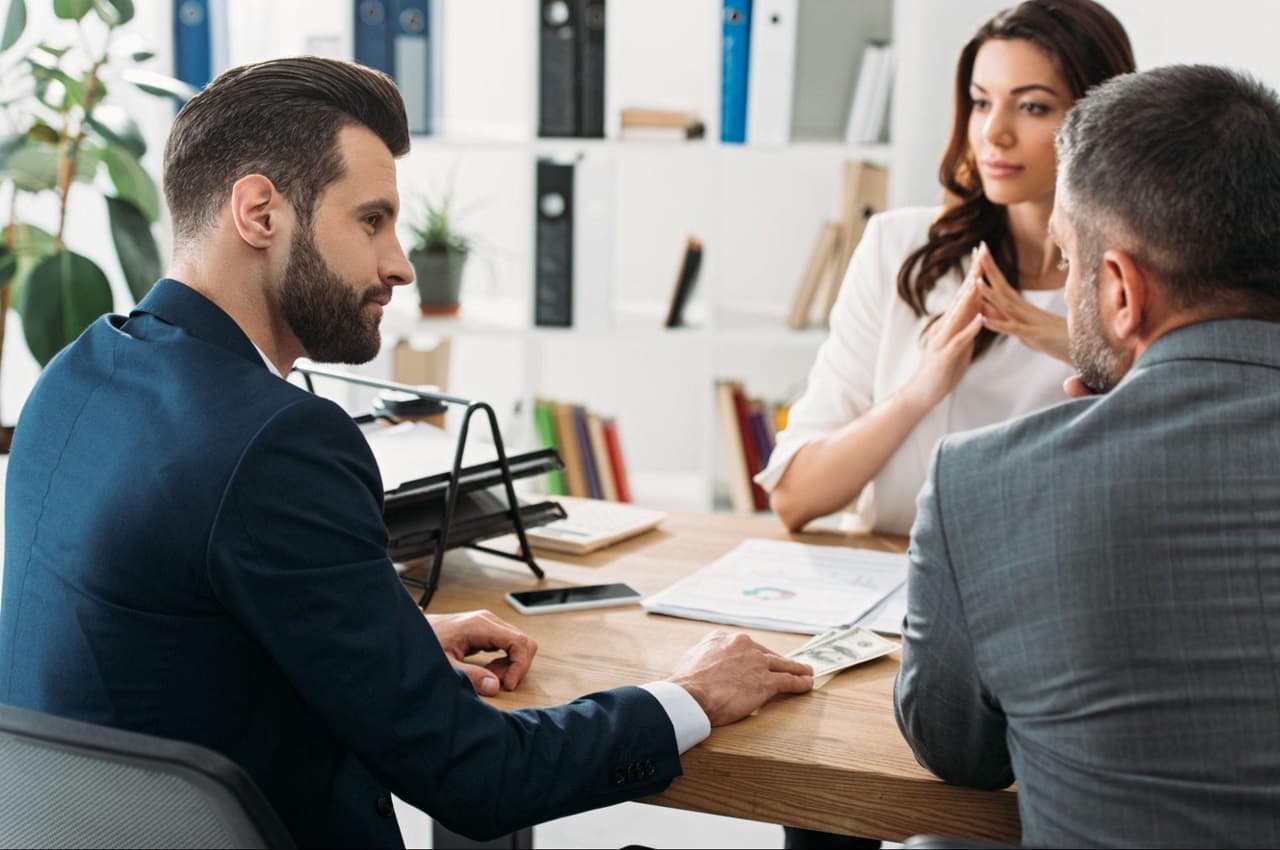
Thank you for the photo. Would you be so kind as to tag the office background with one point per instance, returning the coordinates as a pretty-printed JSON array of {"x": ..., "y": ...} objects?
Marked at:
[{"x": 756, "y": 208}]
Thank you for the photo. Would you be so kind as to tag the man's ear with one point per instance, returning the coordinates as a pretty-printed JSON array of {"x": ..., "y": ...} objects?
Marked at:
[
  {"x": 1124, "y": 294},
  {"x": 257, "y": 210}
]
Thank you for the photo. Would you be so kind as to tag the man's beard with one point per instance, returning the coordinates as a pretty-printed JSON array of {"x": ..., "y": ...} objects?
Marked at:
[
  {"x": 323, "y": 310},
  {"x": 1099, "y": 365}
]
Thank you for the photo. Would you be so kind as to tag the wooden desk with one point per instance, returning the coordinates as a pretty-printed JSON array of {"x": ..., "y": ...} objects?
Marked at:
[{"x": 831, "y": 760}]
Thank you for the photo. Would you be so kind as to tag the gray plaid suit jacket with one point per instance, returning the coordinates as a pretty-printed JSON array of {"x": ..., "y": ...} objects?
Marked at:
[{"x": 1094, "y": 604}]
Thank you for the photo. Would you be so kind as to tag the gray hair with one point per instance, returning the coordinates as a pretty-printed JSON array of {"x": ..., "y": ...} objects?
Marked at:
[{"x": 1180, "y": 166}]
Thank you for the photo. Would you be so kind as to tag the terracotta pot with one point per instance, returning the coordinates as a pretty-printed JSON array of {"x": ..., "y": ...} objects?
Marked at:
[{"x": 439, "y": 279}]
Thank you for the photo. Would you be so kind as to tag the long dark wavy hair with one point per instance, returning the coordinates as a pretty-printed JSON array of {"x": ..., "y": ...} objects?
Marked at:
[{"x": 1087, "y": 45}]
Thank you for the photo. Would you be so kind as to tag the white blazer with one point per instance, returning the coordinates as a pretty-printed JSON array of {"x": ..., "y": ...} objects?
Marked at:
[{"x": 874, "y": 348}]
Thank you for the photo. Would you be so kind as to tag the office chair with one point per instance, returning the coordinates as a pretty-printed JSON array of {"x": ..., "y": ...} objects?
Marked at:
[{"x": 64, "y": 783}]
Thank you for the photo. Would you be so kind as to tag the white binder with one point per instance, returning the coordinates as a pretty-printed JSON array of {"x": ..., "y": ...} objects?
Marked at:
[
  {"x": 771, "y": 80},
  {"x": 595, "y": 182}
]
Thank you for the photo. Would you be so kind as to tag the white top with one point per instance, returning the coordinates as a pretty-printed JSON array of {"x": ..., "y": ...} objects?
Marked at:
[
  {"x": 874, "y": 348},
  {"x": 688, "y": 720}
]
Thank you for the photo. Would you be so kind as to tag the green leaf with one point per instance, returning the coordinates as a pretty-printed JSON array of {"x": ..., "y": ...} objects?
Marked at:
[
  {"x": 117, "y": 127},
  {"x": 72, "y": 10},
  {"x": 114, "y": 12},
  {"x": 141, "y": 55},
  {"x": 34, "y": 167},
  {"x": 31, "y": 244},
  {"x": 64, "y": 294},
  {"x": 159, "y": 84},
  {"x": 75, "y": 89},
  {"x": 135, "y": 246},
  {"x": 132, "y": 181},
  {"x": 55, "y": 52},
  {"x": 87, "y": 160},
  {"x": 9, "y": 145},
  {"x": 15, "y": 22},
  {"x": 42, "y": 132}
]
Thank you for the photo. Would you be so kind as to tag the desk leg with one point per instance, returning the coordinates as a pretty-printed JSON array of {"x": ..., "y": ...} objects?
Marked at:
[{"x": 443, "y": 839}]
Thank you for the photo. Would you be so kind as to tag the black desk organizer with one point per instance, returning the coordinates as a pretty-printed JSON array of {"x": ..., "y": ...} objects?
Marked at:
[{"x": 475, "y": 521}]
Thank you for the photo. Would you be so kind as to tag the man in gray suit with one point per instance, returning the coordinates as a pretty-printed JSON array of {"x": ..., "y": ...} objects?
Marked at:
[{"x": 1094, "y": 594}]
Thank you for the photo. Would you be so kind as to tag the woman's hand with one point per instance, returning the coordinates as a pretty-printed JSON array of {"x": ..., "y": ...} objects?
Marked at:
[
  {"x": 1007, "y": 312},
  {"x": 948, "y": 349}
]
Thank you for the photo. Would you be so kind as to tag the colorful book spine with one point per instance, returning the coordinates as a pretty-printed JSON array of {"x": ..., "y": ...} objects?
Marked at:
[
  {"x": 735, "y": 63},
  {"x": 590, "y": 474},
  {"x": 614, "y": 446},
  {"x": 742, "y": 414},
  {"x": 574, "y": 479},
  {"x": 544, "y": 420},
  {"x": 600, "y": 454}
]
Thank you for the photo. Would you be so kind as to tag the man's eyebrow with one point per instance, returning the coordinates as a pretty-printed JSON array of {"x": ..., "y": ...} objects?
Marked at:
[{"x": 382, "y": 205}]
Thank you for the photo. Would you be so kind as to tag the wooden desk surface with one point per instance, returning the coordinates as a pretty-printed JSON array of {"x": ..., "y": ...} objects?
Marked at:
[{"x": 831, "y": 760}]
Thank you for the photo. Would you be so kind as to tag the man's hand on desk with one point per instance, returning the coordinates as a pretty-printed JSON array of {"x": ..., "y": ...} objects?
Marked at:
[
  {"x": 461, "y": 635},
  {"x": 730, "y": 676}
]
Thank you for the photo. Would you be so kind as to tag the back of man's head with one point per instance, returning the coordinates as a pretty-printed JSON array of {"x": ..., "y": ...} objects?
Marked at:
[
  {"x": 1180, "y": 166},
  {"x": 279, "y": 119}
]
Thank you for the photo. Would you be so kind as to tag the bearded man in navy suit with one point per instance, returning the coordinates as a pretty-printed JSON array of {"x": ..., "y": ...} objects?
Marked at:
[{"x": 195, "y": 547}]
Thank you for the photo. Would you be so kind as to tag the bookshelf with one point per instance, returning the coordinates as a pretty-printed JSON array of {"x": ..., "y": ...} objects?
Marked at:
[{"x": 755, "y": 208}]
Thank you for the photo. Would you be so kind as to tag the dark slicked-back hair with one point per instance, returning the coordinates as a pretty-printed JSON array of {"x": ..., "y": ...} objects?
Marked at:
[
  {"x": 1087, "y": 45},
  {"x": 279, "y": 119},
  {"x": 1181, "y": 166}
]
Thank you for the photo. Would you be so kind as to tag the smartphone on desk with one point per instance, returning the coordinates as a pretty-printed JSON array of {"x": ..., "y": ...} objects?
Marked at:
[{"x": 572, "y": 598}]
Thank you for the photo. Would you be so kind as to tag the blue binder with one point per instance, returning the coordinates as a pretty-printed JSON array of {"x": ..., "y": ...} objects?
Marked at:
[
  {"x": 373, "y": 44},
  {"x": 411, "y": 58},
  {"x": 735, "y": 63},
  {"x": 192, "y": 42}
]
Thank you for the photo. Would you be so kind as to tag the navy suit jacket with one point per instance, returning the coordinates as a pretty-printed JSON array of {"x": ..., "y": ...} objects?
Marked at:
[{"x": 194, "y": 548}]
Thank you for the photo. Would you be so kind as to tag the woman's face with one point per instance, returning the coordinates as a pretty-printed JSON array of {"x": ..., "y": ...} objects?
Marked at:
[{"x": 1019, "y": 98}]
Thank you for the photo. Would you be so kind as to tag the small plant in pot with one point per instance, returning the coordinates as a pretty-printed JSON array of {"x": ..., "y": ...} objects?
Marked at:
[{"x": 438, "y": 255}]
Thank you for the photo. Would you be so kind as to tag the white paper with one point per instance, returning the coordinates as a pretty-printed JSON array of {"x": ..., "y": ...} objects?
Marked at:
[
  {"x": 784, "y": 586},
  {"x": 886, "y": 617},
  {"x": 413, "y": 450}
]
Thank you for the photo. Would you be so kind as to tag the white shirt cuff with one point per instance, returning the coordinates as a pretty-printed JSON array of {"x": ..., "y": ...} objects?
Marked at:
[{"x": 687, "y": 717}]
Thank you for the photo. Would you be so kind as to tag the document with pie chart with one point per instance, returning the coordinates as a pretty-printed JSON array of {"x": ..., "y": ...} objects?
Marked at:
[{"x": 784, "y": 586}]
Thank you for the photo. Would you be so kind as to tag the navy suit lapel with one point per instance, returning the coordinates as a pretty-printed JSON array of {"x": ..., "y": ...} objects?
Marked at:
[{"x": 177, "y": 304}]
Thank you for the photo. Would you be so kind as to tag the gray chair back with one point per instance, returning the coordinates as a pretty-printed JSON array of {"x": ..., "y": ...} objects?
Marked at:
[{"x": 64, "y": 783}]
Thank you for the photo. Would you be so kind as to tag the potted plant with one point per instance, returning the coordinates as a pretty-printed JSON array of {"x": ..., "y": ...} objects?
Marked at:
[
  {"x": 438, "y": 255},
  {"x": 58, "y": 131}
]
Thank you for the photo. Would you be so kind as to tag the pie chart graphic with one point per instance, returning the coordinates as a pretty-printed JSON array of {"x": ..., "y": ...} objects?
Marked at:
[{"x": 769, "y": 593}]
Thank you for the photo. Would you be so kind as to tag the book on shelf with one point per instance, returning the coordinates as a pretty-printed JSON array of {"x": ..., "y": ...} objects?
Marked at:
[
  {"x": 586, "y": 453},
  {"x": 864, "y": 192},
  {"x": 735, "y": 59},
  {"x": 589, "y": 447},
  {"x": 640, "y": 123},
  {"x": 748, "y": 430},
  {"x": 829, "y": 40},
  {"x": 686, "y": 278},
  {"x": 816, "y": 273},
  {"x": 545, "y": 421},
  {"x": 870, "y": 105}
]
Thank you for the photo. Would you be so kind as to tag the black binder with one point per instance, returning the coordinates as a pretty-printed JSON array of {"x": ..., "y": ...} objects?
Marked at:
[
  {"x": 558, "y": 68},
  {"x": 553, "y": 244},
  {"x": 591, "y": 69}
]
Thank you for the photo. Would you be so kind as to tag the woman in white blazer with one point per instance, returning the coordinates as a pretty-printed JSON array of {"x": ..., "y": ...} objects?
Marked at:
[{"x": 951, "y": 318}]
